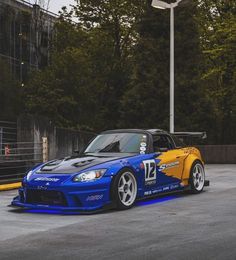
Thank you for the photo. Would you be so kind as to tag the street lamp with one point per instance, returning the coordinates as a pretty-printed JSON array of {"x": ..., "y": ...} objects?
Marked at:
[{"x": 164, "y": 5}]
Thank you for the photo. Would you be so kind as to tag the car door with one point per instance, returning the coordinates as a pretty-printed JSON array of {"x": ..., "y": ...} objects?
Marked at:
[{"x": 170, "y": 161}]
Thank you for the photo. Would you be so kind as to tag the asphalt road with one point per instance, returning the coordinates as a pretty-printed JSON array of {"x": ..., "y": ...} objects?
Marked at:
[{"x": 174, "y": 227}]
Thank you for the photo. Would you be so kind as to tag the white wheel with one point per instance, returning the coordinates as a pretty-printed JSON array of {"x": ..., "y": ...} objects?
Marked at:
[
  {"x": 197, "y": 177},
  {"x": 127, "y": 189},
  {"x": 124, "y": 189}
]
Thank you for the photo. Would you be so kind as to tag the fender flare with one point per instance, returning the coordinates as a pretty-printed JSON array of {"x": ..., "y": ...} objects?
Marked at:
[
  {"x": 115, "y": 176},
  {"x": 190, "y": 159}
]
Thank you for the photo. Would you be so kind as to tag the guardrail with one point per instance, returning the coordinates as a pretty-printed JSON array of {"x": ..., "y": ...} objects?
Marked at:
[{"x": 17, "y": 158}]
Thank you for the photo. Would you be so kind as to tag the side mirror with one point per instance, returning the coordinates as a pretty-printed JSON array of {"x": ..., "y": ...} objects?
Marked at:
[{"x": 163, "y": 149}]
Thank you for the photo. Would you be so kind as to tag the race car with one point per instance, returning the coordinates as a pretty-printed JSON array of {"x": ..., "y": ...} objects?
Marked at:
[{"x": 117, "y": 168}]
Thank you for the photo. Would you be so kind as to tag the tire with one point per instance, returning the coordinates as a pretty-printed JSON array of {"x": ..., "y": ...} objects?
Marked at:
[
  {"x": 124, "y": 189},
  {"x": 197, "y": 177}
]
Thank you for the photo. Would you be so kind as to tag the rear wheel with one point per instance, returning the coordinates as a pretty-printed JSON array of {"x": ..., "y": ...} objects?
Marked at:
[
  {"x": 197, "y": 177},
  {"x": 124, "y": 189}
]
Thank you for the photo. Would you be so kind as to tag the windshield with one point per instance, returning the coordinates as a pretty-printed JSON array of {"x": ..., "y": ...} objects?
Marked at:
[{"x": 118, "y": 143}]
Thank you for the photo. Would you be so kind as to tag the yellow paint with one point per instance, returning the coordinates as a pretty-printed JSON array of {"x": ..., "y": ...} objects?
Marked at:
[
  {"x": 178, "y": 162},
  {"x": 176, "y": 157},
  {"x": 10, "y": 186},
  {"x": 194, "y": 155}
]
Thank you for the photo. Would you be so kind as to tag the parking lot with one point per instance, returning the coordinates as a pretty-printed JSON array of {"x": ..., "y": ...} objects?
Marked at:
[{"x": 179, "y": 226}]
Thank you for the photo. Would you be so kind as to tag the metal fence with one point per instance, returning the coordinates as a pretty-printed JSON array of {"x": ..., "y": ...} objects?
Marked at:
[
  {"x": 8, "y": 132},
  {"x": 17, "y": 158}
]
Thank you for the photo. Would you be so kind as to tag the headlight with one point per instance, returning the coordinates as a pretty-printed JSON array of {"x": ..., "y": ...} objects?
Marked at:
[
  {"x": 28, "y": 175},
  {"x": 89, "y": 176}
]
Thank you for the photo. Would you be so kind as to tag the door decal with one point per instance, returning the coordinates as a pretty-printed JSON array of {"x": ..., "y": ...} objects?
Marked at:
[
  {"x": 150, "y": 172},
  {"x": 169, "y": 165}
]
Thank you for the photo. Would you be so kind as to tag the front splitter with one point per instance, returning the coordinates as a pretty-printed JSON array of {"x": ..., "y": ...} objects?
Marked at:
[{"x": 38, "y": 208}]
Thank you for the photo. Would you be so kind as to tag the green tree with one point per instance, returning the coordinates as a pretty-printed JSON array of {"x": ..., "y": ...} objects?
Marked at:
[
  {"x": 90, "y": 67},
  {"x": 116, "y": 22},
  {"x": 62, "y": 91},
  {"x": 217, "y": 22},
  {"x": 112, "y": 68},
  {"x": 146, "y": 103},
  {"x": 10, "y": 93}
]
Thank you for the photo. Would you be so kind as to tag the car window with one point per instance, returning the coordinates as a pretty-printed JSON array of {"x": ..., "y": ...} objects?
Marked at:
[
  {"x": 178, "y": 142},
  {"x": 162, "y": 141},
  {"x": 118, "y": 143}
]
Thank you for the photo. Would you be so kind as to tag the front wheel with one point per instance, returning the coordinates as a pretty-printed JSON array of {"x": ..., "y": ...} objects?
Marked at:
[
  {"x": 124, "y": 189},
  {"x": 197, "y": 177}
]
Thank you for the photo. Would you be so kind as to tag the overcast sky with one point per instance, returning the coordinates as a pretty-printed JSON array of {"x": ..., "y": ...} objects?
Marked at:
[{"x": 54, "y": 5}]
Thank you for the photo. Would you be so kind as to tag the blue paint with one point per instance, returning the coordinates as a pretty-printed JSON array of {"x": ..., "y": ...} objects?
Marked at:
[
  {"x": 50, "y": 212},
  {"x": 73, "y": 196},
  {"x": 156, "y": 200},
  {"x": 65, "y": 196},
  {"x": 138, "y": 203}
]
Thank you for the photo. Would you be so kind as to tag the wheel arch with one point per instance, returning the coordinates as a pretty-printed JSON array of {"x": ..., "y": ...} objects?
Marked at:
[
  {"x": 114, "y": 179},
  {"x": 189, "y": 161},
  {"x": 128, "y": 168}
]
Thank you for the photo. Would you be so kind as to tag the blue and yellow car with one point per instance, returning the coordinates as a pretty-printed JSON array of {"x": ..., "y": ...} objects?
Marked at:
[{"x": 114, "y": 170}]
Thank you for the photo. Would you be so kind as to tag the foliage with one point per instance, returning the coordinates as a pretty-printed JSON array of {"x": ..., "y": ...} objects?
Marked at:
[
  {"x": 90, "y": 66},
  {"x": 10, "y": 93},
  {"x": 146, "y": 104},
  {"x": 59, "y": 91},
  {"x": 115, "y": 22},
  {"x": 218, "y": 29},
  {"x": 111, "y": 69}
]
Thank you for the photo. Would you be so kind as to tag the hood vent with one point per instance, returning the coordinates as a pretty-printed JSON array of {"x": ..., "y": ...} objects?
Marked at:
[{"x": 83, "y": 163}]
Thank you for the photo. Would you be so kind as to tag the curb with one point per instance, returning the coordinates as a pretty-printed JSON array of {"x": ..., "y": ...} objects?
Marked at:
[{"x": 10, "y": 186}]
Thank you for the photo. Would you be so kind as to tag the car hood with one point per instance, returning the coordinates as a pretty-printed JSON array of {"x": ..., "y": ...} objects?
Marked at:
[{"x": 70, "y": 165}]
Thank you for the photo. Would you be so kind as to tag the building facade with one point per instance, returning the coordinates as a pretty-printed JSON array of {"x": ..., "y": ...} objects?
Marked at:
[{"x": 26, "y": 33}]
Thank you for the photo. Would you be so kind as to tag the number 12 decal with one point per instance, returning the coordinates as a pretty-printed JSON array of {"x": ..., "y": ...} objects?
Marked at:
[{"x": 150, "y": 172}]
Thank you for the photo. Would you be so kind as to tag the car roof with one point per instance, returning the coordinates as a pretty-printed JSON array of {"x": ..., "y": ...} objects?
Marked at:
[
  {"x": 150, "y": 131},
  {"x": 157, "y": 131}
]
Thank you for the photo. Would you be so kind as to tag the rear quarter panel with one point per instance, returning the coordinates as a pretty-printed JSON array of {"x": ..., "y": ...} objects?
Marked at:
[{"x": 193, "y": 155}]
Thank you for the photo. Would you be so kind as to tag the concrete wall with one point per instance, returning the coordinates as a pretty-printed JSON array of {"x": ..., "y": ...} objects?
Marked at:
[
  {"x": 218, "y": 153},
  {"x": 67, "y": 141},
  {"x": 61, "y": 142}
]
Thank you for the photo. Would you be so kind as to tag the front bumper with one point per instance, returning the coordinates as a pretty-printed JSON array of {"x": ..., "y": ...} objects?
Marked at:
[
  {"x": 50, "y": 208},
  {"x": 67, "y": 198}
]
